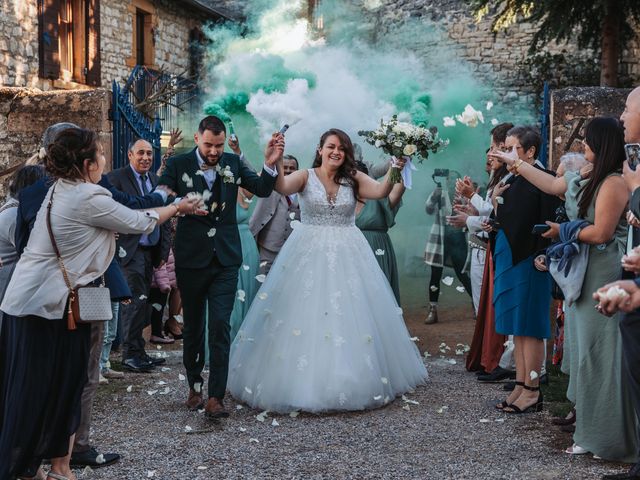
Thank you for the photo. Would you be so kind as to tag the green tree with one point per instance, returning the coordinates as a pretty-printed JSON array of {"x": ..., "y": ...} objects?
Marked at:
[{"x": 603, "y": 25}]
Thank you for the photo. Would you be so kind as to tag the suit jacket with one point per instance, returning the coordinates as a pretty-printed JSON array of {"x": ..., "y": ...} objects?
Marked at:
[
  {"x": 201, "y": 238},
  {"x": 124, "y": 180},
  {"x": 270, "y": 222},
  {"x": 525, "y": 206}
]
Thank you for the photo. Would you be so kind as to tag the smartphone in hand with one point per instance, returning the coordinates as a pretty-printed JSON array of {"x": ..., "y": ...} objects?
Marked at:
[
  {"x": 540, "y": 228},
  {"x": 632, "y": 151}
]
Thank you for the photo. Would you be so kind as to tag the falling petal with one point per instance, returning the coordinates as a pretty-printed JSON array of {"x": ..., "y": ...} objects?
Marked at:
[
  {"x": 200, "y": 172},
  {"x": 142, "y": 297},
  {"x": 130, "y": 388},
  {"x": 211, "y": 232},
  {"x": 433, "y": 288},
  {"x": 448, "y": 122},
  {"x": 202, "y": 467},
  {"x": 188, "y": 181},
  {"x": 122, "y": 252},
  {"x": 239, "y": 181},
  {"x": 294, "y": 414},
  {"x": 275, "y": 423},
  {"x": 489, "y": 105},
  {"x": 406, "y": 407},
  {"x": 181, "y": 377},
  {"x": 494, "y": 121},
  {"x": 157, "y": 306},
  {"x": 242, "y": 295},
  {"x": 533, "y": 375},
  {"x": 448, "y": 281},
  {"x": 261, "y": 278},
  {"x": 379, "y": 252},
  {"x": 414, "y": 339},
  {"x": 460, "y": 288},
  {"x": 296, "y": 332},
  {"x": 242, "y": 429},
  {"x": 151, "y": 473},
  {"x": 377, "y": 397},
  {"x": 262, "y": 296},
  {"x": 245, "y": 267},
  {"x": 248, "y": 390},
  {"x": 384, "y": 380}
]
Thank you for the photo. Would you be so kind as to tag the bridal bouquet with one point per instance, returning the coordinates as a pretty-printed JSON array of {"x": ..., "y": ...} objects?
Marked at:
[{"x": 402, "y": 139}]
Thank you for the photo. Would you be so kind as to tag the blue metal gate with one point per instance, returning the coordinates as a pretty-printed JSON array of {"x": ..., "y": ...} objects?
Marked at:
[{"x": 545, "y": 125}]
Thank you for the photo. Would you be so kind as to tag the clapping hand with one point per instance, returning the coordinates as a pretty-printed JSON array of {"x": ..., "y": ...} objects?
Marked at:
[
  {"x": 468, "y": 209},
  {"x": 496, "y": 195},
  {"x": 459, "y": 220},
  {"x": 464, "y": 187},
  {"x": 275, "y": 150}
]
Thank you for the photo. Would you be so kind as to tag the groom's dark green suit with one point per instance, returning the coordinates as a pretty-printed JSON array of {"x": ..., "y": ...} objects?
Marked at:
[{"x": 208, "y": 255}]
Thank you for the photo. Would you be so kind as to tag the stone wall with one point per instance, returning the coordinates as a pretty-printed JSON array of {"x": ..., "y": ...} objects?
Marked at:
[
  {"x": 571, "y": 110},
  {"x": 19, "y": 43},
  {"x": 26, "y": 113}
]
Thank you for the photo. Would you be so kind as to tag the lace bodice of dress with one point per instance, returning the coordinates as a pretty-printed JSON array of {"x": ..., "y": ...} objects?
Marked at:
[{"x": 317, "y": 209}]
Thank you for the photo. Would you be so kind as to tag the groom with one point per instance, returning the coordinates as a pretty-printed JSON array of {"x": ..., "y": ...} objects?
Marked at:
[{"x": 208, "y": 252}]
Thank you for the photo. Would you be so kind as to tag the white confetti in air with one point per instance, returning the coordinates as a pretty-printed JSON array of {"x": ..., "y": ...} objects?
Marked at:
[
  {"x": 199, "y": 172},
  {"x": 263, "y": 296},
  {"x": 130, "y": 388},
  {"x": 379, "y": 252},
  {"x": 489, "y": 105},
  {"x": 296, "y": 332},
  {"x": 263, "y": 264},
  {"x": 242, "y": 295},
  {"x": 384, "y": 380},
  {"x": 294, "y": 414},
  {"x": 245, "y": 267},
  {"x": 248, "y": 390},
  {"x": 187, "y": 428},
  {"x": 188, "y": 181},
  {"x": 448, "y": 122},
  {"x": 157, "y": 306},
  {"x": 433, "y": 288},
  {"x": 122, "y": 252},
  {"x": 448, "y": 281},
  {"x": 460, "y": 288},
  {"x": 239, "y": 181},
  {"x": 292, "y": 215},
  {"x": 533, "y": 374},
  {"x": 100, "y": 459},
  {"x": 150, "y": 473},
  {"x": 261, "y": 278},
  {"x": 224, "y": 204},
  {"x": 414, "y": 339},
  {"x": 142, "y": 297},
  {"x": 152, "y": 392},
  {"x": 211, "y": 232},
  {"x": 377, "y": 397},
  {"x": 494, "y": 121},
  {"x": 275, "y": 423},
  {"x": 254, "y": 440}
]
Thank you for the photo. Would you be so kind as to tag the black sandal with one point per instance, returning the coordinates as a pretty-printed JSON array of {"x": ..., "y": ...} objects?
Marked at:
[
  {"x": 536, "y": 407},
  {"x": 503, "y": 404}
]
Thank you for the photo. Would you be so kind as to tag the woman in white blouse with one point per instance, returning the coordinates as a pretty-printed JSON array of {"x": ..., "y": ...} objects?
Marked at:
[{"x": 43, "y": 365}]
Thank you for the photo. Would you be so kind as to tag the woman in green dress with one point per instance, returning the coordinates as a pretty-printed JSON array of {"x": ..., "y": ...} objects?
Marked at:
[
  {"x": 374, "y": 218},
  {"x": 605, "y": 419}
]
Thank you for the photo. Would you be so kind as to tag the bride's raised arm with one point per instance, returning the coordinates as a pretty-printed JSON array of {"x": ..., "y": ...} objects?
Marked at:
[{"x": 370, "y": 189}]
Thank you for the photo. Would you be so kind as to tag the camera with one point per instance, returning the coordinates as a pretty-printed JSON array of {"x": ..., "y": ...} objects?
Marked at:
[{"x": 439, "y": 172}]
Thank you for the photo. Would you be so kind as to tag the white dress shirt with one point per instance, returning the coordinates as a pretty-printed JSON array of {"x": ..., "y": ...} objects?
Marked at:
[{"x": 84, "y": 218}]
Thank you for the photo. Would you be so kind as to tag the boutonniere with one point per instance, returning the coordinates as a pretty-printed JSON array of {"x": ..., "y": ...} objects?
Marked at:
[{"x": 226, "y": 174}]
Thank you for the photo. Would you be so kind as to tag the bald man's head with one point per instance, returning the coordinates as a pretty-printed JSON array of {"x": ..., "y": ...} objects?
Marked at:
[
  {"x": 141, "y": 156},
  {"x": 631, "y": 117}
]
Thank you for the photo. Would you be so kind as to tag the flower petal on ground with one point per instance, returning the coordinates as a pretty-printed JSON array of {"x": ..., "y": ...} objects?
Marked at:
[
  {"x": 261, "y": 278},
  {"x": 448, "y": 281}
]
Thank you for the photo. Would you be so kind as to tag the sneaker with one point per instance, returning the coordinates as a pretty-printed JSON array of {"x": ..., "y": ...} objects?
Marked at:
[
  {"x": 102, "y": 380},
  {"x": 108, "y": 373}
]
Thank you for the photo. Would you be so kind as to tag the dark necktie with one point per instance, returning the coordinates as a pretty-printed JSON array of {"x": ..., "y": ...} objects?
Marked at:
[{"x": 154, "y": 237}]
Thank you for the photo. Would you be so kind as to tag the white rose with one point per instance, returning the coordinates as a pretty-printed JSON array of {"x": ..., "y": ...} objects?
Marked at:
[
  {"x": 379, "y": 143},
  {"x": 409, "y": 150}
]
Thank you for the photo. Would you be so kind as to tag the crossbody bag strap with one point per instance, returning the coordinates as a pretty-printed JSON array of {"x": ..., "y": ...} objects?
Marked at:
[{"x": 71, "y": 321}]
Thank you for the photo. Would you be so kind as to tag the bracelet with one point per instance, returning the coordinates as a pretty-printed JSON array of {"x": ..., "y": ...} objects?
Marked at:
[
  {"x": 517, "y": 165},
  {"x": 177, "y": 209}
]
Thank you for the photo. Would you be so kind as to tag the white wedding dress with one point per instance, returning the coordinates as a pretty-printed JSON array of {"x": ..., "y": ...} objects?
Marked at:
[{"x": 324, "y": 332}]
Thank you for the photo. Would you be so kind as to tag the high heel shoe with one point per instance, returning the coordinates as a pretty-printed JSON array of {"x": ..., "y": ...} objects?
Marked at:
[
  {"x": 536, "y": 407},
  {"x": 503, "y": 404},
  {"x": 167, "y": 331}
]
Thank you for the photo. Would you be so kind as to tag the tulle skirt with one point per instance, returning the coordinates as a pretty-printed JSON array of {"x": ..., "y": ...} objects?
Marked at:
[{"x": 324, "y": 332}]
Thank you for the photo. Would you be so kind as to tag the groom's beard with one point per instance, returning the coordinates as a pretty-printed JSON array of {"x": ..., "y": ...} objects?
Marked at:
[{"x": 210, "y": 161}]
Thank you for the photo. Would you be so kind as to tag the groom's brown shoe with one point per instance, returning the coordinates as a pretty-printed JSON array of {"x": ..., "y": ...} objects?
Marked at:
[
  {"x": 215, "y": 409},
  {"x": 195, "y": 400}
]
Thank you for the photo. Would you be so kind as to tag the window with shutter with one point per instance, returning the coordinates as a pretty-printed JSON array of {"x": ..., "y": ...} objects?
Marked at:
[
  {"x": 144, "y": 20},
  {"x": 48, "y": 49}
]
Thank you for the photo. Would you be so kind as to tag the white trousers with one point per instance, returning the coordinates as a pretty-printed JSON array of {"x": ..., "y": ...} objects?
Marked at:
[{"x": 478, "y": 258}]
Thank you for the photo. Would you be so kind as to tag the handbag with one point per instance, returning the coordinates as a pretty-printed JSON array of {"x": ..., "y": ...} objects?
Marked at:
[{"x": 87, "y": 304}]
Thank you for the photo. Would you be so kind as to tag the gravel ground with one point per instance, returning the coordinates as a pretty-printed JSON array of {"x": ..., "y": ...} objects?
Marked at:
[{"x": 453, "y": 432}]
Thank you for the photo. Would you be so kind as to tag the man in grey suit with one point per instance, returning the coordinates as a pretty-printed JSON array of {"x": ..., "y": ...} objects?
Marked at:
[
  {"x": 139, "y": 255},
  {"x": 270, "y": 223}
]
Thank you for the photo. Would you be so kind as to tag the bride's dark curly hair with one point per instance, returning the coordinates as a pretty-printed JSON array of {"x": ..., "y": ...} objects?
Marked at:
[
  {"x": 66, "y": 155},
  {"x": 346, "y": 174}
]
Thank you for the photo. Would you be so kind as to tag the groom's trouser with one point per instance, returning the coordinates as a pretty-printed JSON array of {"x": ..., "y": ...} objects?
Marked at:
[
  {"x": 216, "y": 285},
  {"x": 630, "y": 332}
]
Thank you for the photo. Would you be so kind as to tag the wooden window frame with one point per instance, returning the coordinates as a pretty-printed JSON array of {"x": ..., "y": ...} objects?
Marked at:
[{"x": 150, "y": 24}]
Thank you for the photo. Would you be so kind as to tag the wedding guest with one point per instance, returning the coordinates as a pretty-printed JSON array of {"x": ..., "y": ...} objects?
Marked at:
[
  {"x": 138, "y": 255},
  {"x": 592, "y": 351},
  {"x": 43, "y": 364},
  {"x": 521, "y": 293},
  {"x": 446, "y": 245},
  {"x": 270, "y": 222},
  {"x": 249, "y": 271},
  {"x": 208, "y": 252},
  {"x": 374, "y": 218}
]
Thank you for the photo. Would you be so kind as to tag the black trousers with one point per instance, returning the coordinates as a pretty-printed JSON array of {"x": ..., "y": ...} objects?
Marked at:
[
  {"x": 215, "y": 286},
  {"x": 630, "y": 330},
  {"x": 455, "y": 248},
  {"x": 135, "y": 316}
]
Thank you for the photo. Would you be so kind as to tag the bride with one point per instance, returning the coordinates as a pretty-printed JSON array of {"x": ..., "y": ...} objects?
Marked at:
[{"x": 324, "y": 332}]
